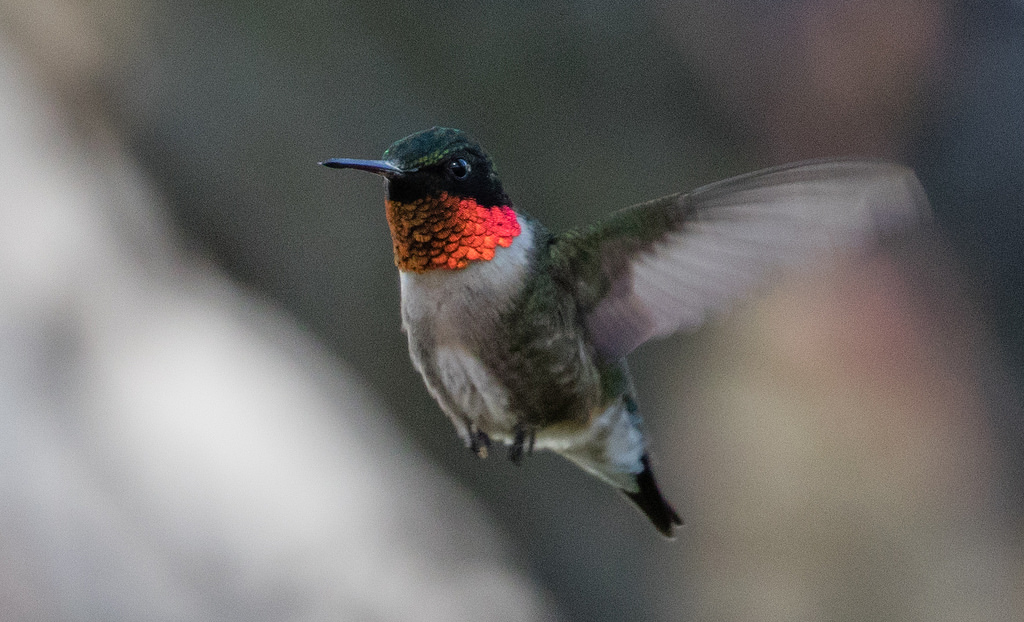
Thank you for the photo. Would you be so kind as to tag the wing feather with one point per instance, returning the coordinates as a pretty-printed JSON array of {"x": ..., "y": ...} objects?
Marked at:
[{"x": 664, "y": 266}]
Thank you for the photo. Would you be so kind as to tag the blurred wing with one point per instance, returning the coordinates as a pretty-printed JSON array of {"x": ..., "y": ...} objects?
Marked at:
[{"x": 662, "y": 266}]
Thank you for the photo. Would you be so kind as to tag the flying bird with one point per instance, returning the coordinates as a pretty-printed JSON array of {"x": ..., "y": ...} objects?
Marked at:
[{"x": 521, "y": 334}]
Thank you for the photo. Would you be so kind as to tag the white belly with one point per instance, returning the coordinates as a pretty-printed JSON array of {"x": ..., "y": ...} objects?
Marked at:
[
  {"x": 476, "y": 391},
  {"x": 452, "y": 316}
]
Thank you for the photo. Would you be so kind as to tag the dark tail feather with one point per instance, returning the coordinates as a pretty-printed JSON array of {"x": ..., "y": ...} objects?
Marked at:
[{"x": 648, "y": 498}]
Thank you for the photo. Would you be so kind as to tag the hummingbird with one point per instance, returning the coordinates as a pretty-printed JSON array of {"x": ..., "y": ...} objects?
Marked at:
[{"x": 521, "y": 334}]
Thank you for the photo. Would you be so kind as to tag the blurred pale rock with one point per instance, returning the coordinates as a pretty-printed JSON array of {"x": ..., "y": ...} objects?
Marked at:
[{"x": 171, "y": 448}]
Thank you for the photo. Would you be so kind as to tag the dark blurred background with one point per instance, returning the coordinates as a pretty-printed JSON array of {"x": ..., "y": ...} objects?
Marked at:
[{"x": 849, "y": 447}]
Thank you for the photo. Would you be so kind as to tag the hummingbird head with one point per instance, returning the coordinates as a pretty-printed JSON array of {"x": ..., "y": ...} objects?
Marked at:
[{"x": 445, "y": 204}]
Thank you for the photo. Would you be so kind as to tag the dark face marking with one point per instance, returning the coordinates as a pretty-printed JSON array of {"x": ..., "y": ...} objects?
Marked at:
[{"x": 442, "y": 160}]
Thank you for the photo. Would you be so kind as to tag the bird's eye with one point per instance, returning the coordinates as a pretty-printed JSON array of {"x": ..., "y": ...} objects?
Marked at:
[{"x": 459, "y": 169}]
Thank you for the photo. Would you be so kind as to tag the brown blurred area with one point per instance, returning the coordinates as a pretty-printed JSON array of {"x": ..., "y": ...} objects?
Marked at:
[
  {"x": 849, "y": 467},
  {"x": 209, "y": 411},
  {"x": 826, "y": 77}
]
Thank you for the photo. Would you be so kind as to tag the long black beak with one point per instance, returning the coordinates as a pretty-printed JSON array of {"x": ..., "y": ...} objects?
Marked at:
[{"x": 380, "y": 167}]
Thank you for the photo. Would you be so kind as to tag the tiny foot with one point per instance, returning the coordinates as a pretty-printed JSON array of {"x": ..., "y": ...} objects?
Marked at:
[
  {"x": 521, "y": 444},
  {"x": 479, "y": 442}
]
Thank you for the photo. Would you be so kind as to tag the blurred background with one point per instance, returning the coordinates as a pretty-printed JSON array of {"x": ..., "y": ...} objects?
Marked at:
[{"x": 206, "y": 405}]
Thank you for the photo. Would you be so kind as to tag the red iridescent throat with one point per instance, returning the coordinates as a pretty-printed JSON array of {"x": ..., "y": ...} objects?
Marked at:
[{"x": 448, "y": 232}]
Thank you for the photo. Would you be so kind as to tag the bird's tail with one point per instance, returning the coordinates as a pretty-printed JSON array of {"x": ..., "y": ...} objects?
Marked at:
[
  {"x": 648, "y": 498},
  {"x": 613, "y": 449},
  {"x": 640, "y": 488}
]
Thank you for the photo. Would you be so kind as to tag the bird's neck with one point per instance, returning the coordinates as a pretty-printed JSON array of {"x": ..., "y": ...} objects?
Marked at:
[{"x": 448, "y": 232}]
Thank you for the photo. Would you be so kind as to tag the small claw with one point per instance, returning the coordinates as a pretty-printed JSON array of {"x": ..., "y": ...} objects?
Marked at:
[
  {"x": 522, "y": 443},
  {"x": 479, "y": 442}
]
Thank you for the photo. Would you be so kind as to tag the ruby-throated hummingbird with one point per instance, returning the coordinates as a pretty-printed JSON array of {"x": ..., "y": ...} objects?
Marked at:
[{"x": 521, "y": 334}]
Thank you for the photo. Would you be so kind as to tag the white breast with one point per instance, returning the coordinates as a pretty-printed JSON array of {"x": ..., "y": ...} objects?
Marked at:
[
  {"x": 448, "y": 298},
  {"x": 452, "y": 316}
]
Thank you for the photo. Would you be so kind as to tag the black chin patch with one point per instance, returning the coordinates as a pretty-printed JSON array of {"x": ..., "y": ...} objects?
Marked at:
[{"x": 484, "y": 187}]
